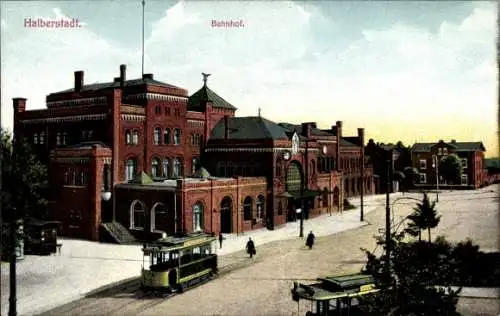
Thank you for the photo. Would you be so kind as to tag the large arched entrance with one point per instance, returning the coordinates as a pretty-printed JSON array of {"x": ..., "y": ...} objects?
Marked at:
[
  {"x": 226, "y": 210},
  {"x": 294, "y": 184}
]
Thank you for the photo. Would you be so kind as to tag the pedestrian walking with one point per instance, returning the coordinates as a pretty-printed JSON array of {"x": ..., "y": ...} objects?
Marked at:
[
  {"x": 251, "y": 247},
  {"x": 310, "y": 240},
  {"x": 221, "y": 238}
]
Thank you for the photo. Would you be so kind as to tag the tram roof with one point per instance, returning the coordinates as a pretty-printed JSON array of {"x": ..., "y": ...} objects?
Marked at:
[
  {"x": 335, "y": 287},
  {"x": 174, "y": 242}
]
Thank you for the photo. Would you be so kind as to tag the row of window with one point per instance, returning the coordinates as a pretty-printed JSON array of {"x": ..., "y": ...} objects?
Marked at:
[
  {"x": 230, "y": 169},
  {"x": 74, "y": 177},
  {"x": 463, "y": 179},
  {"x": 423, "y": 163},
  {"x": 157, "y": 136},
  {"x": 248, "y": 208},
  {"x": 168, "y": 111},
  {"x": 39, "y": 138},
  {"x": 169, "y": 167}
]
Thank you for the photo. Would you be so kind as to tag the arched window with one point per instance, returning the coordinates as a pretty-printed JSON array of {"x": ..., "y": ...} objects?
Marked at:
[
  {"x": 131, "y": 169},
  {"x": 166, "y": 136},
  {"x": 280, "y": 208},
  {"x": 177, "y": 136},
  {"x": 194, "y": 166},
  {"x": 279, "y": 167},
  {"x": 166, "y": 167},
  {"x": 260, "y": 207},
  {"x": 198, "y": 217},
  {"x": 135, "y": 137},
  {"x": 58, "y": 138},
  {"x": 177, "y": 168},
  {"x": 247, "y": 209},
  {"x": 155, "y": 168},
  {"x": 157, "y": 136},
  {"x": 42, "y": 138},
  {"x": 159, "y": 210},
  {"x": 313, "y": 167},
  {"x": 128, "y": 137},
  {"x": 137, "y": 215}
]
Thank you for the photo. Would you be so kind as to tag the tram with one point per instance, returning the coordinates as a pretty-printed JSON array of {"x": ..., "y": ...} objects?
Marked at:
[
  {"x": 335, "y": 295},
  {"x": 175, "y": 263}
]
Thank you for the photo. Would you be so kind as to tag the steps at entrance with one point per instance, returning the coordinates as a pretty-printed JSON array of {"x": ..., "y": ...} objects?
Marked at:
[{"x": 116, "y": 232}]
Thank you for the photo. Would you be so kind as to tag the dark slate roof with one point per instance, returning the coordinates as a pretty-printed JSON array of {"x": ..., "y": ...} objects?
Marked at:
[
  {"x": 128, "y": 83},
  {"x": 249, "y": 127},
  {"x": 459, "y": 146},
  {"x": 298, "y": 128},
  {"x": 353, "y": 140},
  {"x": 205, "y": 94},
  {"x": 344, "y": 142}
]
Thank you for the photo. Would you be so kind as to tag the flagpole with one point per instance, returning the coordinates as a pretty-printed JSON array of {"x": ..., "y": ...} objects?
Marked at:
[{"x": 143, "y": 4}]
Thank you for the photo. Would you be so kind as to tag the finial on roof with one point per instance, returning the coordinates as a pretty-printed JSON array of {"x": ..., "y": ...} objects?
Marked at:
[
  {"x": 205, "y": 76},
  {"x": 259, "y": 112}
]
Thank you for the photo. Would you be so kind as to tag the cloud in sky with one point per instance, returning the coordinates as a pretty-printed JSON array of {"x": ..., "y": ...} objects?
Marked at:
[{"x": 400, "y": 82}]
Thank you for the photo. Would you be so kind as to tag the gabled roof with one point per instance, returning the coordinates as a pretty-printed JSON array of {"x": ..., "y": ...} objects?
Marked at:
[
  {"x": 128, "y": 83},
  {"x": 205, "y": 94},
  {"x": 201, "y": 173},
  {"x": 141, "y": 178},
  {"x": 249, "y": 127},
  {"x": 459, "y": 146}
]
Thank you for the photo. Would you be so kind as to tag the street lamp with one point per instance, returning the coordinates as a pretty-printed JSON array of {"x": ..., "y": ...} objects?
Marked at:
[
  {"x": 301, "y": 232},
  {"x": 435, "y": 165}
]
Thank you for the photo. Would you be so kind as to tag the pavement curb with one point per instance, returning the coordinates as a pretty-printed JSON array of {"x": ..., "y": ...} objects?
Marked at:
[{"x": 113, "y": 286}]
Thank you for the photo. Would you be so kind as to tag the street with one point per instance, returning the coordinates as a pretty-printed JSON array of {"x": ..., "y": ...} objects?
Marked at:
[{"x": 262, "y": 286}]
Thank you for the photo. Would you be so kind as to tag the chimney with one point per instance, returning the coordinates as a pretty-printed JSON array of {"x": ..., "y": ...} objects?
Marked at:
[
  {"x": 78, "y": 80},
  {"x": 123, "y": 75},
  {"x": 453, "y": 141},
  {"x": 19, "y": 104},
  {"x": 147, "y": 76},
  {"x": 339, "y": 130},
  {"x": 361, "y": 136},
  {"x": 226, "y": 127},
  {"x": 307, "y": 129}
]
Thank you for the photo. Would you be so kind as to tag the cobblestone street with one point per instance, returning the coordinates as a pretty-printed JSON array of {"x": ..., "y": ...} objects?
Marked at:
[{"x": 263, "y": 287}]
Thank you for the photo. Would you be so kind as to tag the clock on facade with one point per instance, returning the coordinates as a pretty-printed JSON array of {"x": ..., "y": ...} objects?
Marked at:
[
  {"x": 286, "y": 155},
  {"x": 324, "y": 150}
]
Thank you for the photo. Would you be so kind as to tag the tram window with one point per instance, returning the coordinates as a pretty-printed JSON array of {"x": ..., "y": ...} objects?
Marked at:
[{"x": 196, "y": 250}]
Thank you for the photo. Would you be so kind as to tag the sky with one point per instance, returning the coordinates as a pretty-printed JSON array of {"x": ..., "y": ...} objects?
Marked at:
[{"x": 410, "y": 71}]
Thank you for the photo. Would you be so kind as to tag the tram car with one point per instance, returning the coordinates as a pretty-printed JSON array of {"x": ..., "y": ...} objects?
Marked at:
[{"x": 175, "y": 263}]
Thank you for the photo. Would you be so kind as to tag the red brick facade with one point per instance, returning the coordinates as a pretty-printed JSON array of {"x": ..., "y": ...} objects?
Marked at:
[{"x": 131, "y": 126}]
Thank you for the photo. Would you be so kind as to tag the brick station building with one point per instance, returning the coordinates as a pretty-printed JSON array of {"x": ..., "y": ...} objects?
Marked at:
[{"x": 145, "y": 157}]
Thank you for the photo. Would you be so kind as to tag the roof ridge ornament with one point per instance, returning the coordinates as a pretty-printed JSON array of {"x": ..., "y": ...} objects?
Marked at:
[{"x": 205, "y": 76}]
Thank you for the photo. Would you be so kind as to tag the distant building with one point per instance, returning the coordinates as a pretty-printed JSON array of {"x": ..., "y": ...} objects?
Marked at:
[
  {"x": 144, "y": 155},
  {"x": 471, "y": 155}
]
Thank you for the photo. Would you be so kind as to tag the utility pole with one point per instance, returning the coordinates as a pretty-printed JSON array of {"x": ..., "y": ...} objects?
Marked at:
[
  {"x": 435, "y": 163},
  {"x": 388, "y": 223}
]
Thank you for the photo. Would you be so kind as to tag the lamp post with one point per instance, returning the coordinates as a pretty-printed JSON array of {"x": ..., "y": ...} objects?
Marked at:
[
  {"x": 301, "y": 231},
  {"x": 435, "y": 165}
]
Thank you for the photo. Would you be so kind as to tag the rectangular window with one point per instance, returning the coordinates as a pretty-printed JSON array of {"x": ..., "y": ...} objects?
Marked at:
[
  {"x": 464, "y": 163},
  {"x": 423, "y": 164},
  {"x": 464, "y": 179},
  {"x": 423, "y": 178},
  {"x": 445, "y": 151},
  {"x": 440, "y": 151}
]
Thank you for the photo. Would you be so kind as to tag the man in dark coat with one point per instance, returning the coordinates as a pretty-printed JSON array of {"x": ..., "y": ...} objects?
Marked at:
[
  {"x": 310, "y": 240},
  {"x": 251, "y": 247}
]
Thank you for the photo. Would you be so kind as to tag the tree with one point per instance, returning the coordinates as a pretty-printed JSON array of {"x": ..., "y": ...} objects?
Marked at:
[
  {"x": 450, "y": 168},
  {"x": 24, "y": 178},
  {"x": 424, "y": 217},
  {"x": 411, "y": 176}
]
